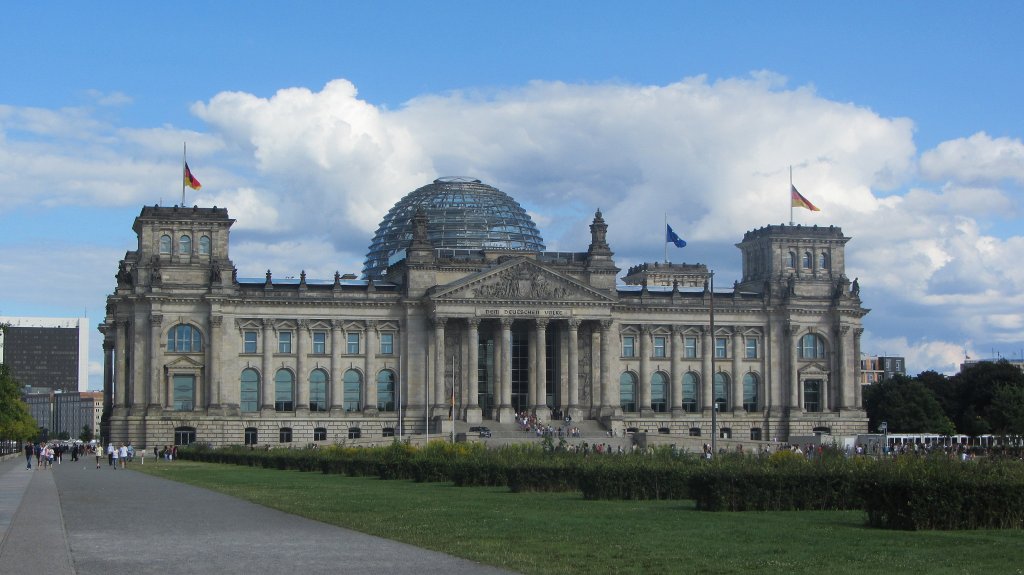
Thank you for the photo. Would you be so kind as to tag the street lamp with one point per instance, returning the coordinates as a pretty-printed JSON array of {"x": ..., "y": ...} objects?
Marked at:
[
  {"x": 884, "y": 428},
  {"x": 714, "y": 428}
]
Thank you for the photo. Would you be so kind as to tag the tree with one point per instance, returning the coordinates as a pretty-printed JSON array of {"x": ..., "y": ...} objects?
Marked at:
[
  {"x": 86, "y": 434},
  {"x": 906, "y": 405},
  {"x": 1007, "y": 412},
  {"x": 986, "y": 397},
  {"x": 15, "y": 421}
]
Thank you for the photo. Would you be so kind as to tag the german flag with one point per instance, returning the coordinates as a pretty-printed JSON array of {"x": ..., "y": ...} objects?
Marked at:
[
  {"x": 192, "y": 182},
  {"x": 799, "y": 201}
]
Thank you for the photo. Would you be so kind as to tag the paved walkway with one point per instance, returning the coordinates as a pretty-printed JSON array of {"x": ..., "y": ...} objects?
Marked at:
[{"x": 81, "y": 520}]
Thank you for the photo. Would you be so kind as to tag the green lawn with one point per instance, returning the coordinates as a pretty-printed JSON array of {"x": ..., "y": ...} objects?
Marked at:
[{"x": 561, "y": 533}]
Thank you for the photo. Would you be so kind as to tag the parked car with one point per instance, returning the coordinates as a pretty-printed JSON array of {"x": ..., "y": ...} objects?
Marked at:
[{"x": 480, "y": 430}]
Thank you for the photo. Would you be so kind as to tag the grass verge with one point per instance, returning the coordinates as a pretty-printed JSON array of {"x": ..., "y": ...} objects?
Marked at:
[{"x": 560, "y": 533}]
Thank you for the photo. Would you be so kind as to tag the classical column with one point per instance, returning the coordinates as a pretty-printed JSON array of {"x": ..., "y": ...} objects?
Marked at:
[
  {"x": 707, "y": 378},
  {"x": 156, "y": 374},
  {"x": 736, "y": 396},
  {"x": 108, "y": 376},
  {"x": 609, "y": 405},
  {"x": 370, "y": 367},
  {"x": 793, "y": 339},
  {"x": 120, "y": 364},
  {"x": 676, "y": 394},
  {"x": 540, "y": 368},
  {"x": 574, "y": 368},
  {"x": 472, "y": 371},
  {"x": 212, "y": 375},
  {"x": 644, "y": 385},
  {"x": 506, "y": 413},
  {"x": 441, "y": 399},
  {"x": 336, "y": 394},
  {"x": 267, "y": 377},
  {"x": 301, "y": 371},
  {"x": 857, "y": 402},
  {"x": 596, "y": 394}
]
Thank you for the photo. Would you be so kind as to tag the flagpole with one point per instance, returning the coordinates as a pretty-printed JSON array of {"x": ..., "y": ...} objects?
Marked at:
[
  {"x": 790, "y": 195},
  {"x": 666, "y": 237},
  {"x": 184, "y": 149}
]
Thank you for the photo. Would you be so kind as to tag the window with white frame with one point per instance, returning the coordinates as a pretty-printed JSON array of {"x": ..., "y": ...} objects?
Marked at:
[
  {"x": 352, "y": 347},
  {"x": 659, "y": 346},
  {"x": 284, "y": 342},
  {"x": 320, "y": 342},
  {"x": 628, "y": 346}
]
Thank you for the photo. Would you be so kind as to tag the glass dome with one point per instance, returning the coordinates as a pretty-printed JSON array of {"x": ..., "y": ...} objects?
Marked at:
[{"x": 462, "y": 214}]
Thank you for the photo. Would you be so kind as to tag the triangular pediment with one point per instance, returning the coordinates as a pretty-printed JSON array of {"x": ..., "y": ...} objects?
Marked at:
[
  {"x": 183, "y": 362},
  {"x": 813, "y": 369},
  {"x": 520, "y": 279}
]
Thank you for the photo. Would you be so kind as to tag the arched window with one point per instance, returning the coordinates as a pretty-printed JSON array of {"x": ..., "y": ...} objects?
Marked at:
[
  {"x": 353, "y": 383},
  {"x": 659, "y": 392},
  {"x": 807, "y": 260},
  {"x": 185, "y": 244},
  {"x": 284, "y": 391},
  {"x": 750, "y": 392},
  {"x": 721, "y": 391},
  {"x": 204, "y": 245},
  {"x": 249, "y": 398},
  {"x": 184, "y": 338},
  {"x": 386, "y": 390},
  {"x": 318, "y": 390},
  {"x": 812, "y": 346},
  {"x": 627, "y": 391},
  {"x": 165, "y": 244},
  {"x": 690, "y": 392},
  {"x": 792, "y": 260},
  {"x": 823, "y": 260}
]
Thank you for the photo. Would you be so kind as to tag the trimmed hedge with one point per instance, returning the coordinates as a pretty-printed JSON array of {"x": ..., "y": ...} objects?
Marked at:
[
  {"x": 939, "y": 493},
  {"x": 898, "y": 493}
]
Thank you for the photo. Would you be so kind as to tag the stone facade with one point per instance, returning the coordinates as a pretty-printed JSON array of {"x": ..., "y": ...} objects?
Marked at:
[{"x": 192, "y": 353}]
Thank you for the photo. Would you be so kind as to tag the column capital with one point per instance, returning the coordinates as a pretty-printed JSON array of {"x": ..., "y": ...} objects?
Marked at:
[
  {"x": 216, "y": 320},
  {"x": 438, "y": 321},
  {"x": 606, "y": 325},
  {"x": 473, "y": 322},
  {"x": 574, "y": 323},
  {"x": 506, "y": 322},
  {"x": 542, "y": 323},
  {"x": 156, "y": 319}
]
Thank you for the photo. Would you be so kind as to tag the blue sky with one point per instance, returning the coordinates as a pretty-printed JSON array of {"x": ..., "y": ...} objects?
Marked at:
[{"x": 308, "y": 120}]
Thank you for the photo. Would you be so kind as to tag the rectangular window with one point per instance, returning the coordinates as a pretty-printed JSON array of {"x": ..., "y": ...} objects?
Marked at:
[
  {"x": 812, "y": 395},
  {"x": 285, "y": 435},
  {"x": 184, "y": 387},
  {"x": 320, "y": 342},
  {"x": 249, "y": 342},
  {"x": 659, "y": 346},
  {"x": 690, "y": 347},
  {"x": 751, "y": 350},
  {"x": 284, "y": 342},
  {"x": 353, "y": 344},
  {"x": 721, "y": 347},
  {"x": 251, "y": 436},
  {"x": 387, "y": 344},
  {"x": 320, "y": 434},
  {"x": 628, "y": 346}
]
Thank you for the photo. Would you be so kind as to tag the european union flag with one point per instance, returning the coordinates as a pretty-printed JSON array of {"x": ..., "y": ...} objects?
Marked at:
[{"x": 673, "y": 238}]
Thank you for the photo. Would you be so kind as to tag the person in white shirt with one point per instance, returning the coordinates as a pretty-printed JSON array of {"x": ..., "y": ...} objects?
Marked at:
[
  {"x": 114, "y": 454},
  {"x": 122, "y": 453}
]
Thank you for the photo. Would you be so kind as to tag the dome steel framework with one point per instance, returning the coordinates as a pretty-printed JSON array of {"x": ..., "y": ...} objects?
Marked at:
[{"x": 462, "y": 214}]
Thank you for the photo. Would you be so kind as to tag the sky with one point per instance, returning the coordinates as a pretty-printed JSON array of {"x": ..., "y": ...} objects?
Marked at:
[{"x": 309, "y": 120}]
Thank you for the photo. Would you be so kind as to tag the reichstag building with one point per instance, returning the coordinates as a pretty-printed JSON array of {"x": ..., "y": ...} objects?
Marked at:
[{"x": 462, "y": 317}]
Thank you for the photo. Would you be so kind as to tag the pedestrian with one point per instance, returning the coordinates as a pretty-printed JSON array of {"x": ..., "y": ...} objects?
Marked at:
[
  {"x": 28, "y": 455},
  {"x": 123, "y": 455},
  {"x": 110, "y": 454},
  {"x": 114, "y": 452},
  {"x": 98, "y": 451}
]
